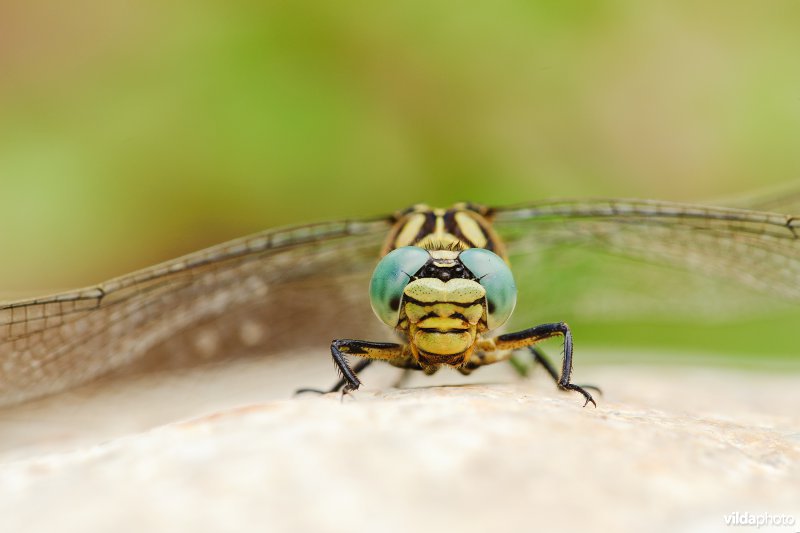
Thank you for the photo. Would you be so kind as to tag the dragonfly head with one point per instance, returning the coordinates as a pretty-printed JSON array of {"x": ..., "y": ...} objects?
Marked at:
[{"x": 442, "y": 299}]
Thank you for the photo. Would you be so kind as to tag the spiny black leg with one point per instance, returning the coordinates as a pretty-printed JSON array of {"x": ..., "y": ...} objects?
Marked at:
[
  {"x": 566, "y": 367},
  {"x": 540, "y": 357},
  {"x": 357, "y": 368},
  {"x": 384, "y": 351},
  {"x": 533, "y": 335},
  {"x": 347, "y": 373}
]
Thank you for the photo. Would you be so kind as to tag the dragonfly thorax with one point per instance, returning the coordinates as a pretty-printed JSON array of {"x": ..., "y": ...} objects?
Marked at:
[{"x": 457, "y": 228}]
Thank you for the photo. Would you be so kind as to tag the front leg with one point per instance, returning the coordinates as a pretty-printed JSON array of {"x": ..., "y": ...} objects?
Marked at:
[
  {"x": 361, "y": 365},
  {"x": 528, "y": 337},
  {"x": 540, "y": 357},
  {"x": 396, "y": 354}
]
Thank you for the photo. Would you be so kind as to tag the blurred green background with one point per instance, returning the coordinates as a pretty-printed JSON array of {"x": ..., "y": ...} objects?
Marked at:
[{"x": 134, "y": 132}]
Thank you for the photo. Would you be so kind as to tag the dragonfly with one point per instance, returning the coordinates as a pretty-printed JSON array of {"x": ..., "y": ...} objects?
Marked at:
[{"x": 304, "y": 285}]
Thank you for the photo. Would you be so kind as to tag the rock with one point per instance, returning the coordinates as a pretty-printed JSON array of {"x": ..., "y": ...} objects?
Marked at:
[{"x": 667, "y": 449}]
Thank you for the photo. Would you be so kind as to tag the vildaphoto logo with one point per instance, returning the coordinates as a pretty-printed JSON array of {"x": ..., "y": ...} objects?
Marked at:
[{"x": 757, "y": 520}]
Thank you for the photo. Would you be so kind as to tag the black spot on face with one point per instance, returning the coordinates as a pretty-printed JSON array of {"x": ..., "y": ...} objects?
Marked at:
[
  {"x": 455, "y": 270},
  {"x": 491, "y": 306},
  {"x": 394, "y": 303}
]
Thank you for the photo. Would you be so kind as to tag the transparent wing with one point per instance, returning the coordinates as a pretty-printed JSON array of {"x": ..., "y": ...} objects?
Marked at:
[
  {"x": 260, "y": 294},
  {"x": 784, "y": 199},
  {"x": 759, "y": 250},
  {"x": 780, "y": 198}
]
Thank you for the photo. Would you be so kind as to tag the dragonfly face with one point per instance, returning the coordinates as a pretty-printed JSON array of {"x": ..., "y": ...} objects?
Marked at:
[
  {"x": 442, "y": 300},
  {"x": 442, "y": 320}
]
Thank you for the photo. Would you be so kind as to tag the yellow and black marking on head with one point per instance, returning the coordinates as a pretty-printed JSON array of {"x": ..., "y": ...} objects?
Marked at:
[
  {"x": 463, "y": 225},
  {"x": 444, "y": 311}
]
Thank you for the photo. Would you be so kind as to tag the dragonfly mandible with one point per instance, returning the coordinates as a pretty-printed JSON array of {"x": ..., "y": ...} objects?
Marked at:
[{"x": 305, "y": 285}]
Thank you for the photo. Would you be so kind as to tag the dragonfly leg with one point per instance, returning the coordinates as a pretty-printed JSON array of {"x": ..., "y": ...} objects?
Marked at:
[
  {"x": 529, "y": 337},
  {"x": 390, "y": 352},
  {"x": 485, "y": 354},
  {"x": 540, "y": 357},
  {"x": 357, "y": 368},
  {"x": 383, "y": 351}
]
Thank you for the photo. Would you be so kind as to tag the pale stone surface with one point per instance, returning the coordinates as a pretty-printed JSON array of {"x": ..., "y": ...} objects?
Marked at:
[{"x": 667, "y": 449}]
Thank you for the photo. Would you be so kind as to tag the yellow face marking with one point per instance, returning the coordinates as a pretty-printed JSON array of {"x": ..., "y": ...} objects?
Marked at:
[
  {"x": 444, "y": 319},
  {"x": 415, "y": 314},
  {"x": 443, "y": 323},
  {"x": 432, "y": 290},
  {"x": 441, "y": 256},
  {"x": 471, "y": 229},
  {"x": 444, "y": 343}
]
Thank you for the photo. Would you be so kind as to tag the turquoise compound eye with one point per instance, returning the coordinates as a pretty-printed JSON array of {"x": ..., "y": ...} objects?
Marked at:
[
  {"x": 494, "y": 275},
  {"x": 391, "y": 276}
]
